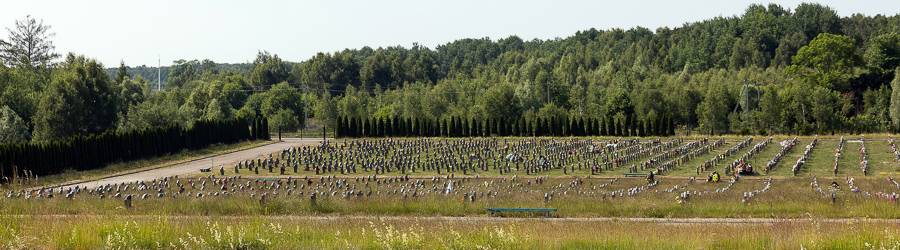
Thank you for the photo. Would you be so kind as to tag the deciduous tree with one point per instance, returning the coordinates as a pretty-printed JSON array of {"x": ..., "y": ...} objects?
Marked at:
[
  {"x": 827, "y": 61},
  {"x": 79, "y": 101},
  {"x": 12, "y": 127},
  {"x": 267, "y": 70},
  {"x": 895, "y": 99}
]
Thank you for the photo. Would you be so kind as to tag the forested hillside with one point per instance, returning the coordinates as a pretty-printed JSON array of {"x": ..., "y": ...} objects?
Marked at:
[{"x": 772, "y": 69}]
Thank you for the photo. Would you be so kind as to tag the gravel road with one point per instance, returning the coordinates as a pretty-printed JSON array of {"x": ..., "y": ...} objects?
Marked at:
[{"x": 191, "y": 167}]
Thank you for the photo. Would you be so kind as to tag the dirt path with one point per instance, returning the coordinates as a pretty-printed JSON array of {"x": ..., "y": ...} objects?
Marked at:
[{"x": 225, "y": 160}]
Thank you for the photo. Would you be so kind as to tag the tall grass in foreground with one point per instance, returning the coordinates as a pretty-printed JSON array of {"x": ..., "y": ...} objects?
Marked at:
[{"x": 80, "y": 232}]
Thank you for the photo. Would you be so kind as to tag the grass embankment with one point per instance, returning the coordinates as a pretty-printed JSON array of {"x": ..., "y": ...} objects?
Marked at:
[
  {"x": 787, "y": 198},
  {"x": 81, "y": 232},
  {"x": 72, "y": 176}
]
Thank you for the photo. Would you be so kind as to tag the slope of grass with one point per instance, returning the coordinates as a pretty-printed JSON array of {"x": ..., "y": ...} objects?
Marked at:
[{"x": 72, "y": 176}]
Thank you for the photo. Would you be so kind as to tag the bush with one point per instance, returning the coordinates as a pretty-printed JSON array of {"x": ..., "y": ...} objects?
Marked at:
[
  {"x": 804, "y": 129},
  {"x": 745, "y": 131},
  {"x": 762, "y": 132}
]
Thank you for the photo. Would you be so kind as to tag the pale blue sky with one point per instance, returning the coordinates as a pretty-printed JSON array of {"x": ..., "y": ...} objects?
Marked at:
[{"x": 233, "y": 31}]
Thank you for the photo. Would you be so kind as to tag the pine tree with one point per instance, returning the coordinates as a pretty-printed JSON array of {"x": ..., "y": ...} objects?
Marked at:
[
  {"x": 626, "y": 131},
  {"x": 265, "y": 129},
  {"x": 671, "y": 125},
  {"x": 634, "y": 125},
  {"x": 640, "y": 128}
]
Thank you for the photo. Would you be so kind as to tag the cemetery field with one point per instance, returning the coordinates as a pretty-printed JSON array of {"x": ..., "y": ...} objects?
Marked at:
[
  {"x": 487, "y": 157},
  {"x": 418, "y": 193}
]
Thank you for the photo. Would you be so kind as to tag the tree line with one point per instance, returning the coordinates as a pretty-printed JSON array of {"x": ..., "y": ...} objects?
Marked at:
[
  {"x": 771, "y": 69},
  {"x": 354, "y": 127},
  {"x": 96, "y": 151}
]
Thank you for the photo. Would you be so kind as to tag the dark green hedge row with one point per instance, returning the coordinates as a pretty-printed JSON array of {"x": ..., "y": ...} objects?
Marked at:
[
  {"x": 96, "y": 151},
  {"x": 455, "y": 127}
]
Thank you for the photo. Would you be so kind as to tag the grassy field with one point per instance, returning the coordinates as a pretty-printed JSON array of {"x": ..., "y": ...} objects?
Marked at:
[
  {"x": 83, "y": 232},
  {"x": 421, "y": 213}
]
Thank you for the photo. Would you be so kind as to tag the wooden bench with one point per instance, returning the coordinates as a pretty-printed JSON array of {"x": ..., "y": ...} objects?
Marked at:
[
  {"x": 495, "y": 210},
  {"x": 634, "y": 174},
  {"x": 203, "y": 170}
]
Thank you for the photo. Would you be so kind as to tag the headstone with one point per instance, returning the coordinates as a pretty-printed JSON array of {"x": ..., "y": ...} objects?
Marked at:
[{"x": 128, "y": 201}]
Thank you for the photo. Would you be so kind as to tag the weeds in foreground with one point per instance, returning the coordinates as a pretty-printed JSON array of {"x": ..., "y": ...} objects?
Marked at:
[
  {"x": 890, "y": 241},
  {"x": 79, "y": 232}
]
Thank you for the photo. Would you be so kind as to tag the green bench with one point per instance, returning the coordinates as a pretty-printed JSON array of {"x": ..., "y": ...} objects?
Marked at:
[
  {"x": 203, "y": 170},
  {"x": 634, "y": 174},
  {"x": 495, "y": 210},
  {"x": 264, "y": 179}
]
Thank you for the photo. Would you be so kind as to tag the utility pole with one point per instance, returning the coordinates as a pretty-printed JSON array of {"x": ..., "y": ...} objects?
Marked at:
[
  {"x": 744, "y": 89},
  {"x": 747, "y": 108}
]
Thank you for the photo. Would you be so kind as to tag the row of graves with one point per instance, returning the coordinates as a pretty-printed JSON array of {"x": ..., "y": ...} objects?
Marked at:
[
  {"x": 738, "y": 167},
  {"x": 835, "y": 189},
  {"x": 837, "y": 155},
  {"x": 863, "y": 163},
  {"x": 537, "y": 191},
  {"x": 741, "y": 165},
  {"x": 716, "y": 160},
  {"x": 804, "y": 156},
  {"x": 534, "y": 190},
  {"x": 670, "y": 159},
  {"x": 469, "y": 157},
  {"x": 863, "y": 160},
  {"x": 661, "y": 150},
  {"x": 681, "y": 155},
  {"x": 786, "y": 147},
  {"x": 890, "y": 142}
]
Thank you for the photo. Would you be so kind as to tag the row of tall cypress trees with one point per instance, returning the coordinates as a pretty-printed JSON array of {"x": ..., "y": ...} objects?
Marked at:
[
  {"x": 96, "y": 151},
  {"x": 353, "y": 127}
]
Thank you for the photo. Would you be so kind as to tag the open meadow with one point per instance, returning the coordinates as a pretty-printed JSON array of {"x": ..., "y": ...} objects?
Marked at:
[{"x": 432, "y": 193}]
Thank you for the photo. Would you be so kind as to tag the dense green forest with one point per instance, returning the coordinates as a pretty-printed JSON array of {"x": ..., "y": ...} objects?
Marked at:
[{"x": 769, "y": 70}]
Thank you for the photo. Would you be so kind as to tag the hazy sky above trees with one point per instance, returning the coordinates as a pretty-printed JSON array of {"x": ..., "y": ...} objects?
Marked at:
[{"x": 233, "y": 31}]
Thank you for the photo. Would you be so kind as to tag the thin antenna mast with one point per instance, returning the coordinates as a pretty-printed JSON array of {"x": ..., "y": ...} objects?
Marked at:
[
  {"x": 306, "y": 106},
  {"x": 158, "y": 74}
]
